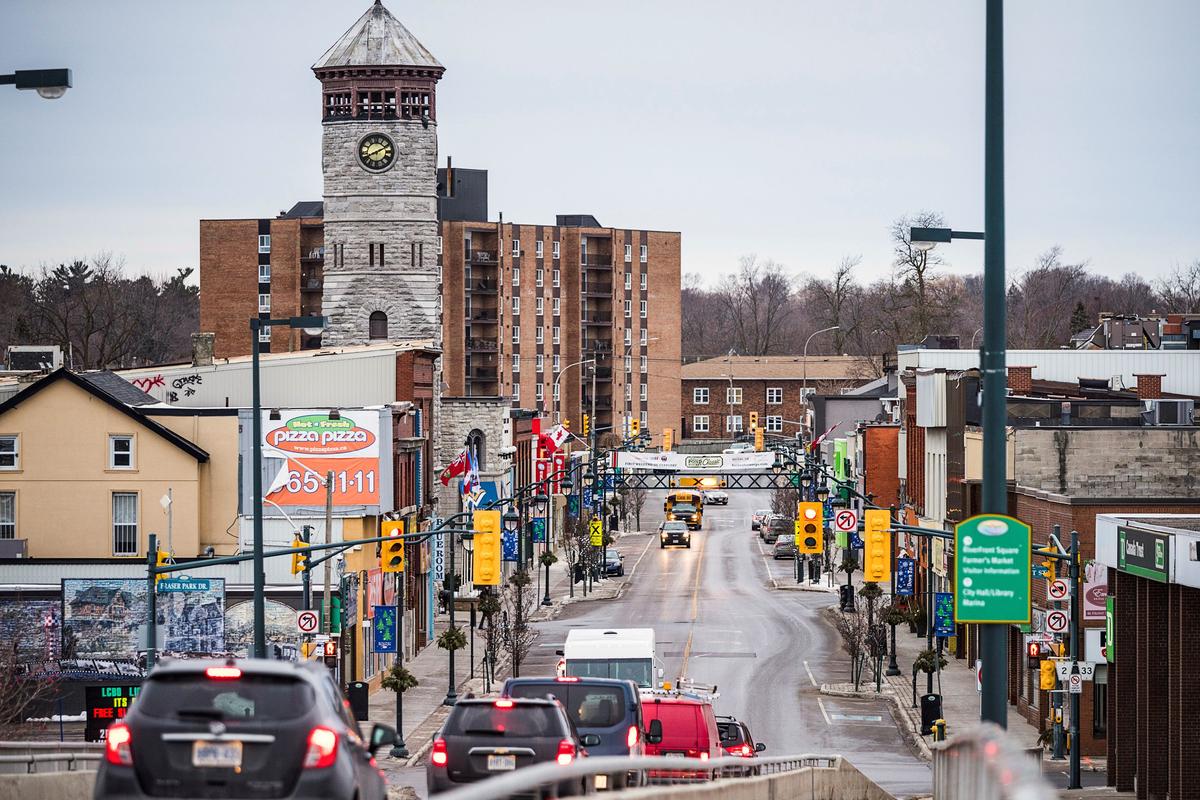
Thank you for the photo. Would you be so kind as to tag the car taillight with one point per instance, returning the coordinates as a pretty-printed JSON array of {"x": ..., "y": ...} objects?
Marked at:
[
  {"x": 738, "y": 750},
  {"x": 704, "y": 756},
  {"x": 438, "y": 754},
  {"x": 566, "y": 752},
  {"x": 504, "y": 702},
  {"x": 322, "y": 748},
  {"x": 631, "y": 738},
  {"x": 223, "y": 673},
  {"x": 116, "y": 745}
]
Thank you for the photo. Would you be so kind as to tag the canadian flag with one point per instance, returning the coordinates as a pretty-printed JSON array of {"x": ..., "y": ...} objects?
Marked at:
[
  {"x": 455, "y": 468},
  {"x": 555, "y": 438}
]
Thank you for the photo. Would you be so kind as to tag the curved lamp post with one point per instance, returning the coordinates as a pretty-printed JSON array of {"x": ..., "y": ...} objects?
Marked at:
[{"x": 804, "y": 387}]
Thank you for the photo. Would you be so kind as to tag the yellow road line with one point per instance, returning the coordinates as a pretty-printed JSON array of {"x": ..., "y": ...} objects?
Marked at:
[{"x": 687, "y": 648}]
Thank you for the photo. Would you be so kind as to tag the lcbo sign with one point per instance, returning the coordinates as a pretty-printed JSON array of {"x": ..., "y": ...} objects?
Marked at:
[{"x": 991, "y": 573}]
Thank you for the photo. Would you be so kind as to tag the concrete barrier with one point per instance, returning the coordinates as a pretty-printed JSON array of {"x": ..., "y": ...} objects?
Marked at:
[
  {"x": 75, "y": 785},
  {"x": 843, "y": 782}
]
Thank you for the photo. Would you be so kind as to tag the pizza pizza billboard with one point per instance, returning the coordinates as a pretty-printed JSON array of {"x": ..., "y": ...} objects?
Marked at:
[{"x": 301, "y": 447}]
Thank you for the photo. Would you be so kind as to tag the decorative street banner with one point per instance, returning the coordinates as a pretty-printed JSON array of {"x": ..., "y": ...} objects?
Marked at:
[
  {"x": 1095, "y": 590},
  {"x": 508, "y": 545},
  {"x": 904, "y": 577},
  {"x": 710, "y": 462},
  {"x": 538, "y": 526},
  {"x": 943, "y": 615},
  {"x": 992, "y": 570},
  {"x": 384, "y": 627}
]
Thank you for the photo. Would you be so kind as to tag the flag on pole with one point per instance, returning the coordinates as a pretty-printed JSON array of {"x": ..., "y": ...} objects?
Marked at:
[
  {"x": 555, "y": 438},
  {"x": 817, "y": 441},
  {"x": 455, "y": 468},
  {"x": 472, "y": 490}
]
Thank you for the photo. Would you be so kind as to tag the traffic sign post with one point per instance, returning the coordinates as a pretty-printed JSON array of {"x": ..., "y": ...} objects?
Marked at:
[
  {"x": 1057, "y": 621},
  {"x": 1058, "y": 591},
  {"x": 1075, "y": 683},
  {"x": 991, "y": 573},
  {"x": 307, "y": 622},
  {"x": 845, "y": 520}
]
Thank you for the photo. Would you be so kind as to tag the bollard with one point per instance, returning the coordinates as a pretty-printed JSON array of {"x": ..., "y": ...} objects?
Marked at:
[{"x": 939, "y": 730}]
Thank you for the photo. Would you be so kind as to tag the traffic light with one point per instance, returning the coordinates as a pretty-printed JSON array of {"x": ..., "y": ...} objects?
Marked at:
[
  {"x": 753, "y": 420},
  {"x": 1047, "y": 679},
  {"x": 1051, "y": 565},
  {"x": 299, "y": 560},
  {"x": 635, "y": 427},
  {"x": 486, "y": 556},
  {"x": 1033, "y": 655},
  {"x": 161, "y": 559},
  {"x": 391, "y": 558},
  {"x": 877, "y": 545},
  {"x": 758, "y": 439},
  {"x": 809, "y": 536},
  {"x": 668, "y": 435},
  {"x": 586, "y": 426}
]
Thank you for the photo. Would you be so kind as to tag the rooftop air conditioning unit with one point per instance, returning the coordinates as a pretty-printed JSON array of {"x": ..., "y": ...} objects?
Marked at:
[
  {"x": 1169, "y": 412},
  {"x": 34, "y": 358}
]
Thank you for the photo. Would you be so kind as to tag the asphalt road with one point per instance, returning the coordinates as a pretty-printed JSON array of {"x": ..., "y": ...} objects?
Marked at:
[{"x": 718, "y": 621}]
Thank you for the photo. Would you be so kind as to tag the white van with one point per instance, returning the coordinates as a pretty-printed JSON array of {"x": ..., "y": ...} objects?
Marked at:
[{"x": 623, "y": 653}]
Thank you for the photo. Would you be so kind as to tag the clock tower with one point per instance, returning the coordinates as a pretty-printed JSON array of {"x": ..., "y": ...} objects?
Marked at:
[{"x": 379, "y": 161}]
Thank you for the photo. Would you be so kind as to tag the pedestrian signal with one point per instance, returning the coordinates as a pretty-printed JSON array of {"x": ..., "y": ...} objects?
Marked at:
[
  {"x": 877, "y": 545},
  {"x": 486, "y": 555},
  {"x": 391, "y": 557},
  {"x": 1033, "y": 654},
  {"x": 809, "y": 523}
]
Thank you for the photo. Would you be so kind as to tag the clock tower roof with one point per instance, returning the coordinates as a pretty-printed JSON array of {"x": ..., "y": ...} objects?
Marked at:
[{"x": 377, "y": 40}]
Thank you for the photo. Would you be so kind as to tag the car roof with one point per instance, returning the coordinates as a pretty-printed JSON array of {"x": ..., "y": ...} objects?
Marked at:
[
  {"x": 248, "y": 666},
  {"x": 520, "y": 701},
  {"x": 580, "y": 681},
  {"x": 683, "y": 699}
]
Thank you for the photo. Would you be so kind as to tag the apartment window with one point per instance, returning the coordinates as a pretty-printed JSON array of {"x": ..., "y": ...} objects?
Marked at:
[
  {"x": 554, "y": 305},
  {"x": 439, "y": 245},
  {"x": 700, "y": 395},
  {"x": 554, "y": 334},
  {"x": 628, "y": 308},
  {"x": 642, "y": 309},
  {"x": 539, "y": 335},
  {"x": 642, "y": 281},
  {"x": 8, "y": 515},
  {"x": 264, "y": 273},
  {"x": 516, "y": 276},
  {"x": 774, "y": 395},
  {"x": 539, "y": 249},
  {"x": 644, "y": 338},
  {"x": 554, "y": 280},
  {"x": 516, "y": 248},
  {"x": 539, "y": 392},
  {"x": 628, "y": 253},
  {"x": 642, "y": 251},
  {"x": 556, "y": 389},
  {"x": 120, "y": 452},
  {"x": 516, "y": 337},
  {"x": 264, "y": 243},
  {"x": 125, "y": 523},
  {"x": 516, "y": 363},
  {"x": 629, "y": 364},
  {"x": 733, "y": 395},
  {"x": 10, "y": 452},
  {"x": 583, "y": 252},
  {"x": 642, "y": 419},
  {"x": 628, "y": 392},
  {"x": 733, "y": 423},
  {"x": 264, "y": 304},
  {"x": 539, "y": 305},
  {"x": 700, "y": 423},
  {"x": 628, "y": 280},
  {"x": 264, "y": 333},
  {"x": 539, "y": 278},
  {"x": 774, "y": 424},
  {"x": 554, "y": 364},
  {"x": 645, "y": 365},
  {"x": 516, "y": 305},
  {"x": 541, "y": 363},
  {"x": 643, "y": 392},
  {"x": 628, "y": 337},
  {"x": 516, "y": 395},
  {"x": 554, "y": 249}
]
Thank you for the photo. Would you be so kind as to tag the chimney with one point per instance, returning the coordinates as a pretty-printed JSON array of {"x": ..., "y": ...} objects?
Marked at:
[
  {"x": 1149, "y": 387},
  {"x": 202, "y": 349},
  {"x": 1020, "y": 380}
]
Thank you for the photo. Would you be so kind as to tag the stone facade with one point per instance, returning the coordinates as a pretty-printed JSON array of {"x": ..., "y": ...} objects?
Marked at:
[
  {"x": 1110, "y": 463},
  {"x": 459, "y": 417}
]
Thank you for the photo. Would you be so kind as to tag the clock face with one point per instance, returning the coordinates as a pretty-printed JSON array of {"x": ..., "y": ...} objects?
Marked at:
[{"x": 376, "y": 152}]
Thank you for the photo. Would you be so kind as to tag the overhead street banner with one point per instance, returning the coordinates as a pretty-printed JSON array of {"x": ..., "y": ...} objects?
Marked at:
[
  {"x": 992, "y": 570},
  {"x": 696, "y": 462}
]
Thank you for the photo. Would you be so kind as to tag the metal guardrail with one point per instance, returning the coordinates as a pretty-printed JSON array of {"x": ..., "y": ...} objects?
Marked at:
[
  {"x": 984, "y": 764},
  {"x": 74, "y": 755},
  {"x": 660, "y": 771}
]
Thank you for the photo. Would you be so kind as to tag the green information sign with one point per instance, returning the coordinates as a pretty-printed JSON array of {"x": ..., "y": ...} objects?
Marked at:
[
  {"x": 991, "y": 575},
  {"x": 1143, "y": 553}
]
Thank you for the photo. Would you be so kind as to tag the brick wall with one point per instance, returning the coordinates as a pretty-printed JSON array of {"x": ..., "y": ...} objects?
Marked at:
[
  {"x": 881, "y": 457},
  {"x": 754, "y": 398},
  {"x": 663, "y": 321},
  {"x": 285, "y": 282},
  {"x": 228, "y": 282}
]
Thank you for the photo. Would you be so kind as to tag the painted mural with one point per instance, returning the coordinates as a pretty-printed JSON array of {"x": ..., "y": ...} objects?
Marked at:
[{"x": 282, "y": 637}]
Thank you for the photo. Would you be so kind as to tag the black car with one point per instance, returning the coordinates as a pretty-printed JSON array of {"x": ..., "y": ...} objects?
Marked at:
[
  {"x": 614, "y": 563},
  {"x": 486, "y": 737},
  {"x": 241, "y": 728},
  {"x": 737, "y": 741},
  {"x": 674, "y": 532}
]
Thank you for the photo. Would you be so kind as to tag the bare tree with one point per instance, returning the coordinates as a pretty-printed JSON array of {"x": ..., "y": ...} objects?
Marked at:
[
  {"x": 852, "y": 627},
  {"x": 915, "y": 270},
  {"x": 28, "y": 672},
  {"x": 1041, "y": 301},
  {"x": 834, "y": 301},
  {"x": 757, "y": 301},
  {"x": 1180, "y": 289},
  {"x": 519, "y": 604}
]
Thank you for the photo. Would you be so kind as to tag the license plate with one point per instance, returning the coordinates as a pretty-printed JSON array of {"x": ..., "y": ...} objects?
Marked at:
[
  {"x": 601, "y": 781},
  {"x": 217, "y": 754},
  {"x": 674, "y": 755},
  {"x": 498, "y": 763}
]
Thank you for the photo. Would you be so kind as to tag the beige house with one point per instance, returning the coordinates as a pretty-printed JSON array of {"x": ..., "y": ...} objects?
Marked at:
[{"x": 86, "y": 459}]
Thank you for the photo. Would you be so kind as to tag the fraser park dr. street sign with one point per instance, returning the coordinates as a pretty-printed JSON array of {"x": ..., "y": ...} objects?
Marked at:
[{"x": 992, "y": 570}]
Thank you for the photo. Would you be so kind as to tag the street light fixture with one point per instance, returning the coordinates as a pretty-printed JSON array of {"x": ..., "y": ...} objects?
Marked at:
[
  {"x": 804, "y": 387},
  {"x": 806, "y": 480},
  {"x": 260, "y": 602},
  {"x": 50, "y": 84},
  {"x": 511, "y": 519},
  {"x": 822, "y": 494},
  {"x": 925, "y": 239}
]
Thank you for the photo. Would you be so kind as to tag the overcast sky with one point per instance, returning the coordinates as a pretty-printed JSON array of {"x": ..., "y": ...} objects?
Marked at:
[{"x": 796, "y": 130}]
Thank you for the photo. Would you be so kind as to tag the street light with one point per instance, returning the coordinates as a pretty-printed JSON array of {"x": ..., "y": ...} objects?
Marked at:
[
  {"x": 925, "y": 239},
  {"x": 307, "y": 324},
  {"x": 557, "y": 397},
  {"x": 50, "y": 84},
  {"x": 804, "y": 388}
]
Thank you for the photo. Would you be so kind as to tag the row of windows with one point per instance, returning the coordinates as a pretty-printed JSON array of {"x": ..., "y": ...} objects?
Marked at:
[
  {"x": 539, "y": 306},
  {"x": 124, "y": 521},
  {"x": 733, "y": 394},
  {"x": 539, "y": 335},
  {"x": 733, "y": 422},
  {"x": 539, "y": 252},
  {"x": 641, "y": 308},
  {"x": 539, "y": 279},
  {"x": 120, "y": 452},
  {"x": 644, "y": 338}
]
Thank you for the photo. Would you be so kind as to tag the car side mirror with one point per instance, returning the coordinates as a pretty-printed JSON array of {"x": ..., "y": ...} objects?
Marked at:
[
  {"x": 654, "y": 732},
  {"x": 590, "y": 740},
  {"x": 381, "y": 735},
  {"x": 758, "y": 748}
]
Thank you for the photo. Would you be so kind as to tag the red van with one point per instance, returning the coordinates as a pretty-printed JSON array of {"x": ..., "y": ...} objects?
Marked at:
[{"x": 689, "y": 729}]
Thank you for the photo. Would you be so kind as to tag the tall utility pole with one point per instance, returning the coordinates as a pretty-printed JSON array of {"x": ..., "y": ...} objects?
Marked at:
[
  {"x": 327, "y": 613},
  {"x": 1075, "y": 633},
  {"x": 993, "y": 639}
]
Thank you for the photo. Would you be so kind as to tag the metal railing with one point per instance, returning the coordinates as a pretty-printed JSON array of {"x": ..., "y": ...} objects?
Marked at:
[
  {"x": 983, "y": 763},
  {"x": 27, "y": 757},
  {"x": 539, "y": 779}
]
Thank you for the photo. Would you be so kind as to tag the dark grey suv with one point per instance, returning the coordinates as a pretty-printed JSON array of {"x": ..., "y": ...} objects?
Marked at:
[{"x": 241, "y": 728}]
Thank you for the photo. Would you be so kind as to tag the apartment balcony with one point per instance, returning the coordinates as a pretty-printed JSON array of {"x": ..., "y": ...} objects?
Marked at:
[
  {"x": 482, "y": 345},
  {"x": 484, "y": 286},
  {"x": 311, "y": 280},
  {"x": 312, "y": 255},
  {"x": 602, "y": 403},
  {"x": 596, "y": 346},
  {"x": 602, "y": 320},
  {"x": 598, "y": 289},
  {"x": 596, "y": 261},
  {"x": 483, "y": 257},
  {"x": 486, "y": 316},
  {"x": 602, "y": 374},
  {"x": 482, "y": 374}
]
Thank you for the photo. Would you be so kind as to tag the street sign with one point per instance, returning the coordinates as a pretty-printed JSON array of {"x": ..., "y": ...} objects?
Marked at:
[
  {"x": 1039, "y": 571},
  {"x": 384, "y": 629},
  {"x": 943, "y": 615},
  {"x": 845, "y": 520},
  {"x": 1057, "y": 621},
  {"x": 1058, "y": 590},
  {"x": 596, "y": 527},
  {"x": 184, "y": 584},
  {"x": 1075, "y": 683},
  {"x": 904, "y": 577},
  {"x": 307, "y": 621},
  {"x": 1087, "y": 669},
  {"x": 991, "y": 575}
]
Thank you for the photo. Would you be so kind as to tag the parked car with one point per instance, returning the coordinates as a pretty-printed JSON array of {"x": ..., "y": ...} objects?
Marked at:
[
  {"x": 716, "y": 497},
  {"x": 614, "y": 563},
  {"x": 689, "y": 729},
  {"x": 740, "y": 447},
  {"x": 674, "y": 532},
  {"x": 756, "y": 519},
  {"x": 772, "y": 526},
  {"x": 485, "y": 737},
  {"x": 611, "y": 709},
  {"x": 248, "y": 727},
  {"x": 737, "y": 741},
  {"x": 785, "y": 545}
]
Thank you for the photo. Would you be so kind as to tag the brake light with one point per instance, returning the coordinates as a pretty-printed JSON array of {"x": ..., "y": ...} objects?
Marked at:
[
  {"x": 438, "y": 755},
  {"x": 738, "y": 750},
  {"x": 567, "y": 679},
  {"x": 566, "y": 752},
  {"x": 322, "y": 748},
  {"x": 504, "y": 702},
  {"x": 223, "y": 673},
  {"x": 116, "y": 745},
  {"x": 631, "y": 738}
]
